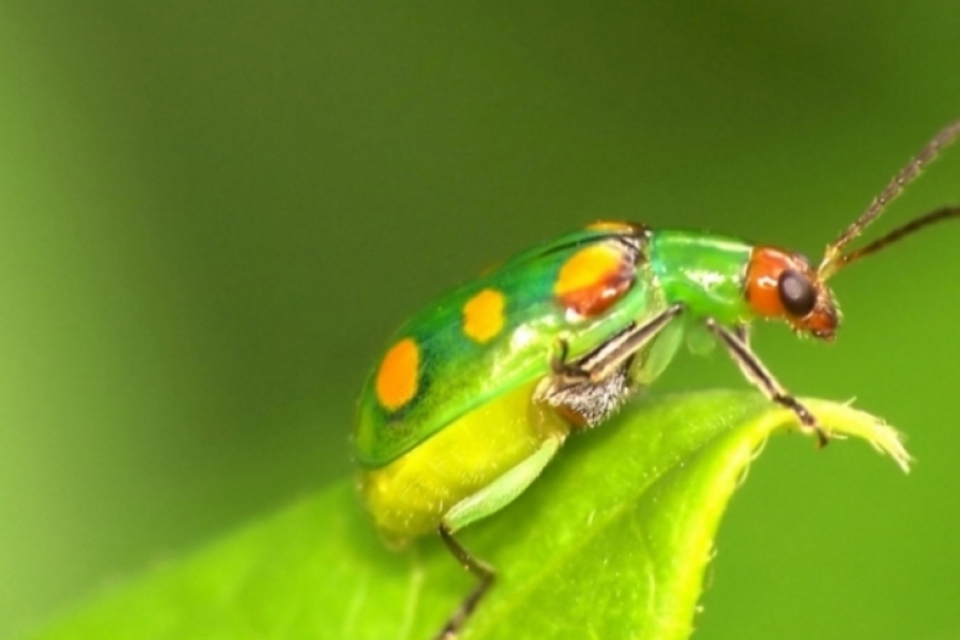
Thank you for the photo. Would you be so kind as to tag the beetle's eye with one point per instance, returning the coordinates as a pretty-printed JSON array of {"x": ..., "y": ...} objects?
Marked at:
[{"x": 796, "y": 293}]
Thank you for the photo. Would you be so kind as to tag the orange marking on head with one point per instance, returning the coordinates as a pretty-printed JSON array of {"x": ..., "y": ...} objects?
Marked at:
[
  {"x": 483, "y": 315},
  {"x": 398, "y": 375},
  {"x": 594, "y": 278},
  {"x": 767, "y": 265}
]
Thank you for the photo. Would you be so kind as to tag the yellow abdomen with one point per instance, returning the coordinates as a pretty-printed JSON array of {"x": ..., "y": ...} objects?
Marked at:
[{"x": 410, "y": 496}]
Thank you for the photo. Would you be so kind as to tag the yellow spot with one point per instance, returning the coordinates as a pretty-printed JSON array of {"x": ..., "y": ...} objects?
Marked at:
[
  {"x": 587, "y": 268},
  {"x": 593, "y": 279},
  {"x": 611, "y": 225},
  {"x": 397, "y": 377},
  {"x": 483, "y": 315}
]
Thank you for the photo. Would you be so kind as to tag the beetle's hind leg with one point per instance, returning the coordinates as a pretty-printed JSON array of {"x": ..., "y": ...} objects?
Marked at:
[
  {"x": 757, "y": 373},
  {"x": 485, "y": 575},
  {"x": 486, "y": 502}
]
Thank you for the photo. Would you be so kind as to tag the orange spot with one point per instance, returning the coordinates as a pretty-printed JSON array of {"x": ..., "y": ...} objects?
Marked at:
[
  {"x": 594, "y": 278},
  {"x": 483, "y": 315},
  {"x": 397, "y": 377}
]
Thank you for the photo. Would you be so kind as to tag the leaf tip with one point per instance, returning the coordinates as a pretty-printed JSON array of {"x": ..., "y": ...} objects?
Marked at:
[{"x": 844, "y": 420}]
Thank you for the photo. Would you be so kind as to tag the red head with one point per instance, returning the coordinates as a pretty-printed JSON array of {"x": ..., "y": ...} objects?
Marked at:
[{"x": 782, "y": 284}]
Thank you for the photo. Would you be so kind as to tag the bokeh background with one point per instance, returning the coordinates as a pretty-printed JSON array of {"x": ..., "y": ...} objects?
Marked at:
[{"x": 212, "y": 215}]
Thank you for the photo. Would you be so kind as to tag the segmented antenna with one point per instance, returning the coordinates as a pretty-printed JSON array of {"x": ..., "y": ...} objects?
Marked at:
[
  {"x": 939, "y": 215},
  {"x": 832, "y": 258}
]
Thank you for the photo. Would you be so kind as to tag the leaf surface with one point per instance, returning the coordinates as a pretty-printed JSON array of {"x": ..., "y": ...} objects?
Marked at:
[{"x": 612, "y": 542}]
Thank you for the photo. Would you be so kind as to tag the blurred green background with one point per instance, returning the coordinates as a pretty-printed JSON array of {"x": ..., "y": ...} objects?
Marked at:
[{"x": 212, "y": 216}]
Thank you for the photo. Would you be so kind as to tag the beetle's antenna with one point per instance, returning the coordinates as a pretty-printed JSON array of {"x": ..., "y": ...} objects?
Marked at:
[
  {"x": 832, "y": 258},
  {"x": 946, "y": 213}
]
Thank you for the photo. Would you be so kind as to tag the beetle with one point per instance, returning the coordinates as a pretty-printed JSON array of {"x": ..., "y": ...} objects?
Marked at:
[{"x": 476, "y": 393}]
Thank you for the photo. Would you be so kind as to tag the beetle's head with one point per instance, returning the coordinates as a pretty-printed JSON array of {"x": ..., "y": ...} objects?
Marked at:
[{"x": 782, "y": 285}]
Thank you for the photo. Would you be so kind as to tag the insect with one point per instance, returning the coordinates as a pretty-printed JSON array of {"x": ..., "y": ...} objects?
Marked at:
[{"x": 476, "y": 393}]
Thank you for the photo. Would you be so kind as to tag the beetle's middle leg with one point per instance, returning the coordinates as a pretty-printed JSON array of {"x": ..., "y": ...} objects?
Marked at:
[
  {"x": 610, "y": 356},
  {"x": 760, "y": 376},
  {"x": 593, "y": 387}
]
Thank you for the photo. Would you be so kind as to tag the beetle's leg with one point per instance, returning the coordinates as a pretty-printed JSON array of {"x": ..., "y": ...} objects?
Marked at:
[
  {"x": 758, "y": 374},
  {"x": 559, "y": 364},
  {"x": 743, "y": 332},
  {"x": 503, "y": 490},
  {"x": 593, "y": 387},
  {"x": 485, "y": 502},
  {"x": 615, "y": 352},
  {"x": 484, "y": 573}
]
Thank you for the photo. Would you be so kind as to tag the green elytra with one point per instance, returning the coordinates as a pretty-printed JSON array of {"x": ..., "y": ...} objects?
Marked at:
[
  {"x": 478, "y": 391},
  {"x": 661, "y": 268}
]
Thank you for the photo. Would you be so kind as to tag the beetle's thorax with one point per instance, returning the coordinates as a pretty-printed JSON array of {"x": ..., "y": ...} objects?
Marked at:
[{"x": 704, "y": 272}]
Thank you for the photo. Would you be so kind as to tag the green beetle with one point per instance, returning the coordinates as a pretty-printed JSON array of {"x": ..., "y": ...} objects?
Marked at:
[{"x": 476, "y": 394}]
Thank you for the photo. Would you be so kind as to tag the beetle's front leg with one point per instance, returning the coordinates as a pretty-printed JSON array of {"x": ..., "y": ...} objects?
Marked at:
[
  {"x": 759, "y": 375},
  {"x": 743, "y": 332}
]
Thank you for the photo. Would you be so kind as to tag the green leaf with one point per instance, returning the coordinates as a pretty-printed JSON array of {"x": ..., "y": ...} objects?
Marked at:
[{"x": 611, "y": 542}]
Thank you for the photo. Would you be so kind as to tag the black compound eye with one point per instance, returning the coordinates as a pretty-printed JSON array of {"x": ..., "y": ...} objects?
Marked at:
[{"x": 796, "y": 293}]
